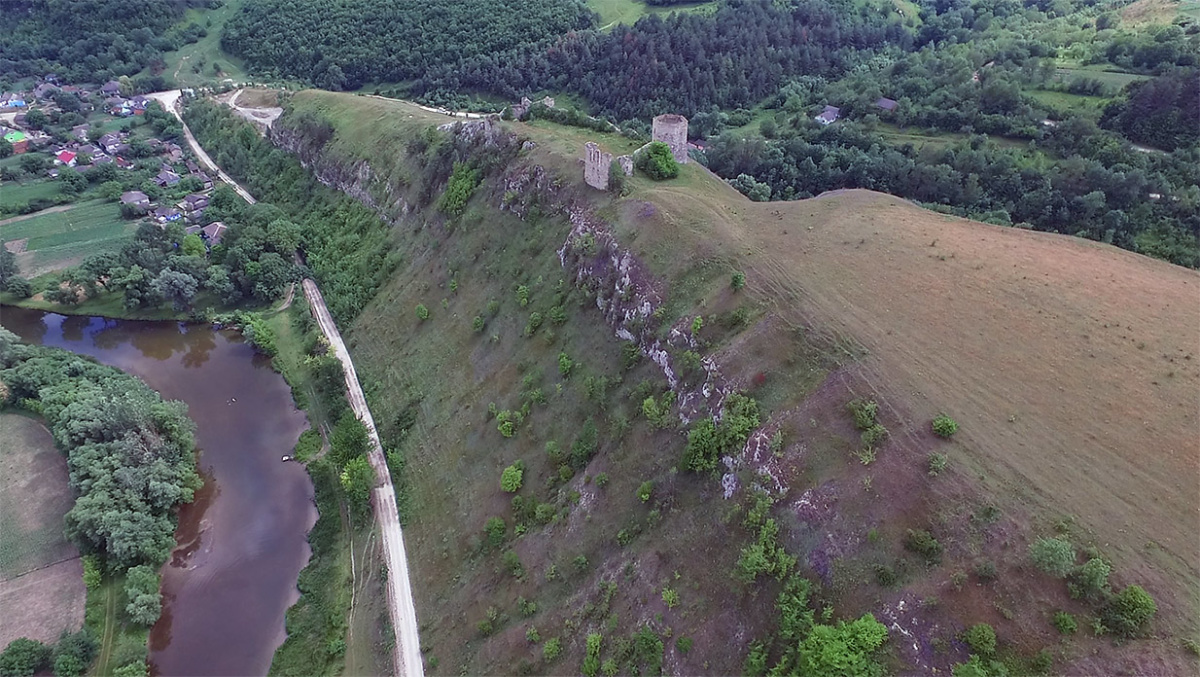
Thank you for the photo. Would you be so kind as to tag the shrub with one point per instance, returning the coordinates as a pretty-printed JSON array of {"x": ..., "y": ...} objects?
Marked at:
[
  {"x": 644, "y": 491},
  {"x": 532, "y": 635},
  {"x": 602, "y": 480},
  {"x": 526, "y": 607},
  {"x": 580, "y": 562},
  {"x": 944, "y": 426},
  {"x": 707, "y": 441},
  {"x": 565, "y": 365},
  {"x": 591, "y": 660},
  {"x": 885, "y": 575},
  {"x": 496, "y": 529},
  {"x": 737, "y": 281},
  {"x": 558, "y": 315},
  {"x": 864, "y": 412},
  {"x": 684, "y": 644},
  {"x": 523, "y": 295},
  {"x": 1090, "y": 579},
  {"x": 1064, "y": 623},
  {"x": 477, "y": 324},
  {"x": 551, "y": 650},
  {"x": 671, "y": 597},
  {"x": 937, "y": 464},
  {"x": 924, "y": 544},
  {"x": 981, "y": 638},
  {"x": 19, "y": 287},
  {"x": 91, "y": 572},
  {"x": 986, "y": 570},
  {"x": 22, "y": 657},
  {"x": 657, "y": 162},
  {"x": 535, "y": 322},
  {"x": 616, "y": 178},
  {"x": 512, "y": 477},
  {"x": 462, "y": 184},
  {"x": 874, "y": 435},
  {"x": 1129, "y": 612},
  {"x": 544, "y": 513},
  {"x": 1054, "y": 556},
  {"x": 512, "y": 562},
  {"x": 422, "y": 312}
]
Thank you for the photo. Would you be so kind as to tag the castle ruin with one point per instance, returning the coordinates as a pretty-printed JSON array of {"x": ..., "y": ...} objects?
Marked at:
[
  {"x": 595, "y": 166},
  {"x": 671, "y": 129}
]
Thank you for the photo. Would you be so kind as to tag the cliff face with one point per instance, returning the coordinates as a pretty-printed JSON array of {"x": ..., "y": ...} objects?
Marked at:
[{"x": 352, "y": 178}]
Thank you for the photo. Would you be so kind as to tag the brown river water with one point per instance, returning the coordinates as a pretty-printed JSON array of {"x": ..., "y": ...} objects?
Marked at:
[{"x": 243, "y": 542}]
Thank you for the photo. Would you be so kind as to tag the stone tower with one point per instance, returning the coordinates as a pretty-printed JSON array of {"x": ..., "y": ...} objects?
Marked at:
[
  {"x": 671, "y": 129},
  {"x": 595, "y": 166}
]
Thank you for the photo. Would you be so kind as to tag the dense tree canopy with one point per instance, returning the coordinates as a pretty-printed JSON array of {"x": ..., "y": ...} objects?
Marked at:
[
  {"x": 340, "y": 44},
  {"x": 90, "y": 40}
]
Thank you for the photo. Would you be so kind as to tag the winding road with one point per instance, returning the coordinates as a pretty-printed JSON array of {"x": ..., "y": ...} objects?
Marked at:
[{"x": 401, "y": 607}]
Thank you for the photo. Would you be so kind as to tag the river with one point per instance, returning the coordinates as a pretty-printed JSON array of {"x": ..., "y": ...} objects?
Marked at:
[{"x": 243, "y": 541}]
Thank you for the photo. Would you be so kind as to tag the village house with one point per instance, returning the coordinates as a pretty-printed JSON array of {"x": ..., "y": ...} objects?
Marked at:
[
  {"x": 166, "y": 215},
  {"x": 213, "y": 232},
  {"x": 109, "y": 142},
  {"x": 20, "y": 144},
  {"x": 15, "y": 100},
  {"x": 136, "y": 198},
  {"x": 193, "y": 203},
  {"x": 829, "y": 115},
  {"x": 166, "y": 178},
  {"x": 65, "y": 157},
  {"x": 887, "y": 104},
  {"x": 123, "y": 163},
  {"x": 44, "y": 91},
  {"x": 111, "y": 87},
  {"x": 21, "y": 120},
  {"x": 80, "y": 132},
  {"x": 205, "y": 180}
]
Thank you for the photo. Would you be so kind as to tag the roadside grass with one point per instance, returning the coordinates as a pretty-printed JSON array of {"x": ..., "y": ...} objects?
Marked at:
[
  {"x": 121, "y": 642},
  {"x": 920, "y": 138},
  {"x": 206, "y": 50},
  {"x": 613, "y": 12}
]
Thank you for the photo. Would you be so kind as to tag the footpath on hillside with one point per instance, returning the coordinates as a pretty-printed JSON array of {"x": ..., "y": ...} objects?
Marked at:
[{"x": 402, "y": 609}]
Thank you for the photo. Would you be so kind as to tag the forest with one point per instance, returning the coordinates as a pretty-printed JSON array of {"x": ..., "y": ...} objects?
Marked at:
[
  {"x": 130, "y": 458},
  {"x": 389, "y": 40},
  {"x": 91, "y": 40}
]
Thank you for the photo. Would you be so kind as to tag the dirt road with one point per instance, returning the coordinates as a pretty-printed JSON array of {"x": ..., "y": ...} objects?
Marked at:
[
  {"x": 170, "y": 101},
  {"x": 403, "y": 610}
]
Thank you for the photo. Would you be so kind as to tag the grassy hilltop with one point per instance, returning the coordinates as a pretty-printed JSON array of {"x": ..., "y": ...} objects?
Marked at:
[{"x": 507, "y": 334}]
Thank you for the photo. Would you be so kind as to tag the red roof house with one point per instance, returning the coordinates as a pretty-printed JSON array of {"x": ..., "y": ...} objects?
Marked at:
[{"x": 66, "y": 157}]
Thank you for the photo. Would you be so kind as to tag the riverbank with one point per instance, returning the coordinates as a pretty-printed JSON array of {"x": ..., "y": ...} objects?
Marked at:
[{"x": 334, "y": 627}]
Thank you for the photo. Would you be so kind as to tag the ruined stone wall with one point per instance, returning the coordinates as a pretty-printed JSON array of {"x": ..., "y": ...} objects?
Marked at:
[
  {"x": 671, "y": 129},
  {"x": 595, "y": 166}
]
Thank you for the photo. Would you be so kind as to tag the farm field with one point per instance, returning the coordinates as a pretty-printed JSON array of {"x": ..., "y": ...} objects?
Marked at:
[
  {"x": 1112, "y": 78},
  {"x": 1078, "y": 104},
  {"x": 60, "y": 239},
  {"x": 41, "y": 584},
  {"x": 25, "y": 191}
]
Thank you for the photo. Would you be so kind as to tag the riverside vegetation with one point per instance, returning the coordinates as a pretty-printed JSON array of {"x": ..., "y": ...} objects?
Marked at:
[{"x": 130, "y": 457}]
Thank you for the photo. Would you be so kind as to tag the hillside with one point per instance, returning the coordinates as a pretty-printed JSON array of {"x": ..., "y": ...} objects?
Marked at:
[{"x": 529, "y": 319}]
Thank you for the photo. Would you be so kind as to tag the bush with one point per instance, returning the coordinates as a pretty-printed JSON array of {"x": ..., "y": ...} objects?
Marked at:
[
  {"x": 23, "y": 657},
  {"x": 422, "y": 312},
  {"x": 551, "y": 650},
  {"x": 496, "y": 529},
  {"x": 18, "y": 287},
  {"x": 937, "y": 464},
  {"x": 1090, "y": 579},
  {"x": 737, "y": 281},
  {"x": 864, "y": 412},
  {"x": 708, "y": 441},
  {"x": 91, "y": 572},
  {"x": 924, "y": 544},
  {"x": 1064, "y": 623},
  {"x": 477, "y": 324},
  {"x": 565, "y": 365},
  {"x": 1129, "y": 612},
  {"x": 874, "y": 435},
  {"x": 644, "y": 491},
  {"x": 670, "y": 597},
  {"x": 591, "y": 660},
  {"x": 986, "y": 571},
  {"x": 1054, "y": 556},
  {"x": 512, "y": 478},
  {"x": 463, "y": 181},
  {"x": 657, "y": 162},
  {"x": 981, "y": 638},
  {"x": 944, "y": 426}
]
